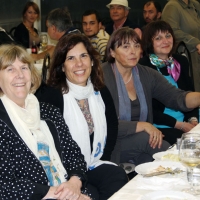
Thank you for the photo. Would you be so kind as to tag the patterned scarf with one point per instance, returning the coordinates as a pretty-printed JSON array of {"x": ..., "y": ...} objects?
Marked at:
[{"x": 173, "y": 67}]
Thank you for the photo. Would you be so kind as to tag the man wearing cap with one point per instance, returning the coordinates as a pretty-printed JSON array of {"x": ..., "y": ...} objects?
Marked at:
[{"x": 119, "y": 10}]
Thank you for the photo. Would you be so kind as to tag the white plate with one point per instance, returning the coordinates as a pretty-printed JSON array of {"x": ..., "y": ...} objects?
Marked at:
[
  {"x": 159, "y": 155},
  {"x": 168, "y": 195},
  {"x": 149, "y": 167}
]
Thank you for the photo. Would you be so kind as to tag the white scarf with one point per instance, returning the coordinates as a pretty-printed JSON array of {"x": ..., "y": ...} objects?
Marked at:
[
  {"x": 28, "y": 125},
  {"x": 78, "y": 126}
]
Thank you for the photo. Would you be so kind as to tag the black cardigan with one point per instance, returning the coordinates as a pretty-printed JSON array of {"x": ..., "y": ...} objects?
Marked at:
[
  {"x": 21, "y": 173},
  {"x": 184, "y": 82},
  {"x": 21, "y": 35},
  {"x": 50, "y": 95}
]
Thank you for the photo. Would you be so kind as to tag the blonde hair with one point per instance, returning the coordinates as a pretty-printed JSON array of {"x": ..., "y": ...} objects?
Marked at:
[{"x": 8, "y": 55}]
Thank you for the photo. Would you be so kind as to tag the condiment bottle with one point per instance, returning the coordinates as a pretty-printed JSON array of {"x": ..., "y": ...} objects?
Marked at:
[{"x": 34, "y": 48}]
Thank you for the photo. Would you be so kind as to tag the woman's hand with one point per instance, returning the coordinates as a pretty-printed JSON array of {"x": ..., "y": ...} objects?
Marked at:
[
  {"x": 155, "y": 136},
  {"x": 51, "y": 193},
  {"x": 184, "y": 126},
  {"x": 70, "y": 190},
  {"x": 83, "y": 197}
]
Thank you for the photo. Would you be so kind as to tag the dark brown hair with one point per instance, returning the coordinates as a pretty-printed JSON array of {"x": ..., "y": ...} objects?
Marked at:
[
  {"x": 35, "y": 8},
  {"x": 57, "y": 77},
  {"x": 119, "y": 37},
  {"x": 150, "y": 31}
]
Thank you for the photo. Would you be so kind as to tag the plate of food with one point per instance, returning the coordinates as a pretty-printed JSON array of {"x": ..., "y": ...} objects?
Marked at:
[
  {"x": 167, "y": 155},
  {"x": 168, "y": 195},
  {"x": 158, "y": 166}
]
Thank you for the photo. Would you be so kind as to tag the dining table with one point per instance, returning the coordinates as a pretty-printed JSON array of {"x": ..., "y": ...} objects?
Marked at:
[{"x": 140, "y": 187}]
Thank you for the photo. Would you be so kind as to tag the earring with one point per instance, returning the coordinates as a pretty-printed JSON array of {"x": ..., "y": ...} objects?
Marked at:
[{"x": 92, "y": 64}]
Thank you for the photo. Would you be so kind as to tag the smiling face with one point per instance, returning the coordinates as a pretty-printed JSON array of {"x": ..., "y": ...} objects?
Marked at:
[
  {"x": 118, "y": 13},
  {"x": 90, "y": 25},
  {"x": 78, "y": 65},
  {"x": 162, "y": 44},
  {"x": 15, "y": 82},
  {"x": 30, "y": 15},
  {"x": 127, "y": 55}
]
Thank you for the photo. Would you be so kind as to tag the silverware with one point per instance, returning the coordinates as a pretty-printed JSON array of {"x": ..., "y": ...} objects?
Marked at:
[{"x": 167, "y": 171}]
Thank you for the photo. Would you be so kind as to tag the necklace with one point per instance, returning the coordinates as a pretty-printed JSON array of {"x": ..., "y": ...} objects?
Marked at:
[
  {"x": 129, "y": 79},
  {"x": 32, "y": 32}
]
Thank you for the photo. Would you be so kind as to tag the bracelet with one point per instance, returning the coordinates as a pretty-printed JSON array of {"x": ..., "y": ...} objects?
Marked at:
[
  {"x": 182, "y": 126},
  {"x": 192, "y": 119}
]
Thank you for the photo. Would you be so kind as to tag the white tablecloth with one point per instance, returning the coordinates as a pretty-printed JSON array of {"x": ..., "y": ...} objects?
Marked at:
[{"x": 136, "y": 188}]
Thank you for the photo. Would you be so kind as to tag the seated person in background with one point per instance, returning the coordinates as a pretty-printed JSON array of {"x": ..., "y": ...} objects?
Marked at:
[
  {"x": 39, "y": 159},
  {"x": 157, "y": 43},
  {"x": 25, "y": 32},
  {"x": 132, "y": 87},
  {"x": 5, "y": 38},
  {"x": 58, "y": 23},
  {"x": 118, "y": 13},
  {"x": 91, "y": 24},
  {"x": 184, "y": 18},
  {"x": 88, "y": 110}
]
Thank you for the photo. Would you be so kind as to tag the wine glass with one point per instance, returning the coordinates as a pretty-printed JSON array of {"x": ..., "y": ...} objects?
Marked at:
[
  {"x": 44, "y": 41},
  {"x": 189, "y": 155}
]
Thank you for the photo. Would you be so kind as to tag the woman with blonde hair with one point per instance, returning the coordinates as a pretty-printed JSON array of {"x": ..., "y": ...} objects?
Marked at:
[{"x": 39, "y": 159}]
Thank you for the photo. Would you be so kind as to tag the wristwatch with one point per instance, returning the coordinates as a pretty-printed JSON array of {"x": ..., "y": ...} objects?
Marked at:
[
  {"x": 82, "y": 177},
  {"x": 192, "y": 119}
]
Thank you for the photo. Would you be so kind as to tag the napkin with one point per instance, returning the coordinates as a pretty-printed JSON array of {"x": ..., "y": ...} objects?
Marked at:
[{"x": 159, "y": 183}]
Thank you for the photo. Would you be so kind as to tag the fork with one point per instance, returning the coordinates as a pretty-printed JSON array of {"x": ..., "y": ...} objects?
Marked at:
[{"x": 176, "y": 170}]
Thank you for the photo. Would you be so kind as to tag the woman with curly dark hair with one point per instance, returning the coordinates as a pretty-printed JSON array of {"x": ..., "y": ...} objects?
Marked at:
[{"x": 88, "y": 111}]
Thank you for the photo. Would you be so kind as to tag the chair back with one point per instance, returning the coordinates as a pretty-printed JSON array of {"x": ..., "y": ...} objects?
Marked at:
[
  {"x": 183, "y": 50},
  {"x": 45, "y": 67},
  {"x": 12, "y": 31}
]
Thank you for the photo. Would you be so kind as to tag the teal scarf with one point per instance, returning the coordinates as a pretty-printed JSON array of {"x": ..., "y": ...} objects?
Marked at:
[{"x": 173, "y": 67}]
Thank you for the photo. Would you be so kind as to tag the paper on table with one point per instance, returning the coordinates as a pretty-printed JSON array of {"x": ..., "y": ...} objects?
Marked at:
[{"x": 159, "y": 183}]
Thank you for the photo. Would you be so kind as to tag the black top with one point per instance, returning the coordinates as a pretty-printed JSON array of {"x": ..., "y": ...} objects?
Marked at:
[
  {"x": 184, "y": 82},
  {"x": 53, "y": 96},
  {"x": 21, "y": 35},
  {"x": 21, "y": 170},
  {"x": 109, "y": 27}
]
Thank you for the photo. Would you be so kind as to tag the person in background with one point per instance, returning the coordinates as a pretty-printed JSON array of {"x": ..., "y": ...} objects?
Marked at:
[
  {"x": 157, "y": 42},
  {"x": 91, "y": 24},
  {"x": 151, "y": 11},
  {"x": 39, "y": 159},
  {"x": 138, "y": 139},
  {"x": 184, "y": 18},
  {"x": 58, "y": 23},
  {"x": 119, "y": 10},
  {"x": 88, "y": 110},
  {"x": 25, "y": 32}
]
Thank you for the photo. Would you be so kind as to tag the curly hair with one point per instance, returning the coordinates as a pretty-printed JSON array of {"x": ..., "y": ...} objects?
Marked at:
[
  {"x": 8, "y": 55},
  {"x": 150, "y": 32},
  {"x": 57, "y": 78}
]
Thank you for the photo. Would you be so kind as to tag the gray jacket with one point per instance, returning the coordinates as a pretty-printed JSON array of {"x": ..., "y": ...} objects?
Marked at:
[{"x": 154, "y": 86}]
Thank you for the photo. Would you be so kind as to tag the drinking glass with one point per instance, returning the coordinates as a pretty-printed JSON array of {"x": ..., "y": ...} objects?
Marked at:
[
  {"x": 189, "y": 155},
  {"x": 44, "y": 41}
]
